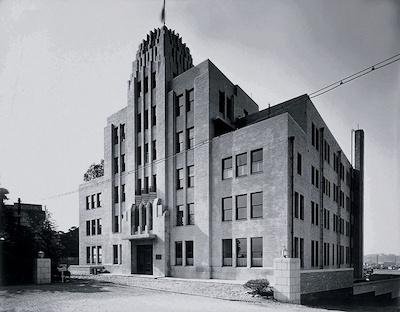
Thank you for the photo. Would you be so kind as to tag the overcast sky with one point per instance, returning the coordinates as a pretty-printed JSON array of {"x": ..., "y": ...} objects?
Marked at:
[{"x": 64, "y": 67}]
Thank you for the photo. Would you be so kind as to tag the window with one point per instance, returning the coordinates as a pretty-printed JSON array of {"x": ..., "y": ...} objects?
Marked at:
[
  {"x": 154, "y": 183},
  {"x": 326, "y": 254},
  {"x": 122, "y": 163},
  {"x": 257, "y": 161},
  {"x": 179, "y": 105},
  {"x": 327, "y": 152},
  {"x": 139, "y": 122},
  {"x": 115, "y": 254},
  {"x": 227, "y": 168},
  {"x": 315, "y": 136},
  {"x": 227, "y": 252},
  {"x": 153, "y": 116},
  {"x": 123, "y": 195},
  {"x": 296, "y": 205},
  {"x": 154, "y": 150},
  {"x": 139, "y": 155},
  {"x": 179, "y": 142},
  {"x": 229, "y": 108},
  {"x": 190, "y": 181},
  {"x": 227, "y": 209},
  {"x": 87, "y": 254},
  {"x": 99, "y": 254},
  {"x": 241, "y": 207},
  {"x": 122, "y": 130},
  {"x": 256, "y": 251},
  {"x": 153, "y": 80},
  {"x": 301, "y": 207},
  {"x": 94, "y": 255},
  {"x": 190, "y": 209},
  {"x": 179, "y": 215},
  {"x": 326, "y": 218},
  {"x": 241, "y": 165},
  {"x": 87, "y": 228},
  {"x": 115, "y": 135},
  {"x": 93, "y": 227},
  {"x": 98, "y": 199},
  {"x": 146, "y": 152},
  {"x": 87, "y": 202},
  {"x": 222, "y": 103},
  {"x": 190, "y": 100},
  {"x": 314, "y": 213},
  {"x": 139, "y": 88},
  {"x": 189, "y": 253},
  {"x": 93, "y": 201},
  {"x": 257, "y": 205},
  {"x": 302, "y": 252},
  {"x": 146, "y": 84},
  {"x": 314, "y": 177},
  {"x": 116, "y": 224},
  {"x": 146, "y": 119},
  {"x": 178, "y": 253},
  {"x": 115, "y": 194},
  {"x": 241, "y": 252},
  {"x": 314, "y": 253},
  {"x": 179, "y": 176},
  {"x": 299, "y": 163},
  {"x": 115, "y": 164},
  {"x": 120, "y": 254},
  {"x": 98, "y": 226},
  {"x": 190, "y": 138}
]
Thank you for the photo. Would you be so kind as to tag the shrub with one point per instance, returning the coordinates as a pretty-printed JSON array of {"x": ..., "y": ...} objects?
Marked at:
[{"x": 259, "y": 287}]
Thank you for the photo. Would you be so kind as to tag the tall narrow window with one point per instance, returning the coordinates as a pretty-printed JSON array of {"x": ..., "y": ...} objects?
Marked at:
[
  {"x": 123, "y": 195},
  {"x": 227, "y": 168},
  {"x": 139, "y": 155},
  {"x": 299, "y": 163},
  {"x": 189, "y": 253},
  {"x": 87, "y": 228},
  {"x": 139, "y": 122},
  {"x": 93, "y": 201},
  {"x": 241, "y": 252},
  {"x": 222, "y": 103},
  {"x": 115, "y": 254},
  {"x": 146, "y": 119},
  {"x": 154, "y": 183},
  {"x": 99, "y": 255},
  {"x": 179, "y": 142},
  {"x": 179, "y": 176},
  {"x": 257, "y": 205},
  {"x": 241, "y": 165},
  {"x": 115, "y": 135},
  {"x": 94, "y": 254},
  {"x": 116, "y": 194},
  {"x": 296, "y": 205},
  {"x": 301, "y": 207},
  {"x": 256, "y": 251},
  {"x": 146, "y": 84},
  {"x": 227, "y": 252},
  {"x": 153, "y": 80},
  {"x": 190, "y": 181},
  {"x": 179, "y": 105},
  {"x": 153, "y": 116},
  {"x": 122, "y": 163},
  {"x": 115, "y": 164},
  {"x": 87, "y": 202},
  {"x": 257, "y": 161},
  {"x": 179, "y": 215},
  {"x": 98, "y": 199},
  {"x": 190, "y": 100},
  {"x": 122, "y": 132},
  {"x": 93, "y": 227},
  {"x": 190, "y": 214},
  {"x": 229, "y": 108},
  {"x": 146, "y": 152},
  {"x": 139, "y": 88},
  {"x": 98, "y": 226},
  {"x": 88, "y": 254},
  {"x": 178, "y": 253},
  {"x": 190, "y": 138},
  {"x": 241, "y": 207},
  {"x": 153, "y": 150},
  {"x": 227, "y": 209},
  {"x": 302, "y": 252}
]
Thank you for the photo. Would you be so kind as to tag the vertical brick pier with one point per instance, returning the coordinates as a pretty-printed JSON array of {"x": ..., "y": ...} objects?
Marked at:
[
  {"x": 287, "y": 280},
  {"x": 42, "y": 271}
]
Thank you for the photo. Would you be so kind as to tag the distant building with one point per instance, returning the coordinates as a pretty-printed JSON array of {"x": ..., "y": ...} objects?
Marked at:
[
  {"x": 198, "y": 183},
  {"x": 29, "y": 215}
]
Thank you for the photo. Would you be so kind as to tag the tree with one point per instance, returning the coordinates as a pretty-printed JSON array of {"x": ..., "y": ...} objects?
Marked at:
[
  {"x": 70, "y": 242},
  {"x": 94, "y": 171}
]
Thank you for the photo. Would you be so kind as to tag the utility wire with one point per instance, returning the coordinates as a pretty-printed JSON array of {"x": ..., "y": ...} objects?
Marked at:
[
  {"x": 355, "y": 76},
  {"x": 312, "y": 95}
]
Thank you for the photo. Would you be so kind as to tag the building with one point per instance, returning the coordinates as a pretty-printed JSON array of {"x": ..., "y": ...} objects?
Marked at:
[{"x": 198, "y": 183}]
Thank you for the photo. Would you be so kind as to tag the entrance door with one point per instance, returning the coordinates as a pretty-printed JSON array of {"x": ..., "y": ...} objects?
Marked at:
[{"x": 145, "y": 259}]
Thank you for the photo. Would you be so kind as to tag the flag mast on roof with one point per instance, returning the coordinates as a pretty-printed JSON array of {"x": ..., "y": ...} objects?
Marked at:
[{"x": 163, "y": 14}]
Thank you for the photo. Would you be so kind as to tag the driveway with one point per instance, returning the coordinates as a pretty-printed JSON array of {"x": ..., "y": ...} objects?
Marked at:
[{"x": 90, "y": 295}]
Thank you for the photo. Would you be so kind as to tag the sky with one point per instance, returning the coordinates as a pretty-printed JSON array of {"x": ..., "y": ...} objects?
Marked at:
[{"x": 64, "y": 67}]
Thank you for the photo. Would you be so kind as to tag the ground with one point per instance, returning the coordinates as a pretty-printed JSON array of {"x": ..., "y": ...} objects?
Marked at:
[{"x": 96, "y": 295}]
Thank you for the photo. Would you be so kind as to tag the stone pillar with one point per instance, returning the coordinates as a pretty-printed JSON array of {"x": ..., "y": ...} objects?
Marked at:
[
  {"x": 42, "y": 271},
  {"x": 287, "y": 279}
]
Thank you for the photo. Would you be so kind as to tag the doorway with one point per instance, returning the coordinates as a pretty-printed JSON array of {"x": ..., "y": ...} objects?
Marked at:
[{"x": 145, "y": 259}]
